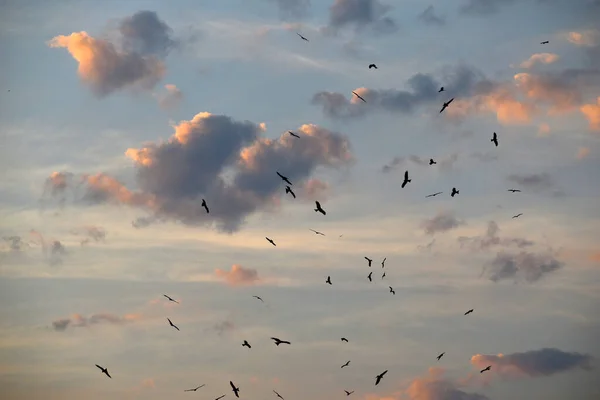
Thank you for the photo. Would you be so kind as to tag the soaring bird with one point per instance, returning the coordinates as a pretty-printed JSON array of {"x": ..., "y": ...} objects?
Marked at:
[
  {"x": 317, "y": 232},
  {"x": 344, "y": 340},
  {"x": 489, "y": 367},
  {"x": 319, "y": 208},
  {"x": 441, "y": 90},
  {"x": 259, "y": 298},
  {"x": 328, "y": 280},
  {"x": 104, "y": 371},
  {"x": 369, "y": 276},
  {"x": 235, "y": 389},
  {"x": 348, "y": 393},
  {"x": 440, "y": 356},
  {"x": 303, "y": 38},
  {"x": 194, "y": 389},
  {"x": 379, "y": 377},
  {"x": 514, "y": 190},
  {"x": 293, "y": 134},
  {"x": 446, "y": 104},
  {"x": 290, "y": 191},
  {"x": 369, "y": 260},
  {"x": 545, "y": 42},
  {"x": 383, "y": 262},
  {"x": 406, "y": 180},
  {"x": 345, "y": 365},
  {"x": 205, "y": 206},
  {"x": 494, "y": 139},
  {"x": 434, "y": 194},
  {"x": 469, "y": 312},
  {"x": 454, "y": 192},
  {"x": 279, "y": 341},
  {"x": 246, "y": 344},
  {"x": 518, "y": 215},
  {"x": 357, "y": 95},
  {"x": 372, "y": 66},
  {"x": 431, "y": 162},
  {"x": 392, "y": 291},
  {"x": 383, "y": 276},
  {"x": 270, "y": 241},
  {"x": 220, "y": 397},
  {"x": 172, "y": 324},
  {"x": 285, "y": 179},
  {"x": 278, "y": 395},
  {"x": 170, "y": 299}
]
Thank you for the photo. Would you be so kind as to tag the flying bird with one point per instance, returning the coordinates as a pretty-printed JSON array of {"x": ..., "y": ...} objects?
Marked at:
[
  {"x": 392, "y": 291},
  {"x": 104, "y": 371},
  {"x": 357, "y": 95},
  {"x": 170, "y": 299},
  {"x": 406, "y": 180},
  {"x": 220, "y": 397},
  {"x": 279, "y": 341},
  {"x": 172, "y": 324},
  {"x": 194, "y": 389},
  {"x": 489, "y": 367},
  {"x": 431, "y": 162},
  {"x": 369, "y": 260},
  {"x": 290, "y": 191},
  {"x": 383, "y": 262},
  {"x": 517, "y": 216},
  {"x": 514, "y": 190},
  {"x": 205, "y": 206},
  {"x": 285, "y": 179},
  {"x": 440, "y": 356},
  {"x": 494, "y": 139},
  {"x": 259, "y": 298},
  {"x": 434, "y": 194},
  {"x": 454, "y": 192},
  {"x": 278, "y": 395},
  {"x": 302, "y": 37},
  {"x": 383, "y": 276},
  {"x": 446, "y": 104},
  {"x": 441, "y": 90},
  {"x": 235, "y": 389},
  {"x": 379, "y": 377},
  {"x": 545, "y": 42},
  {"x": 372, "y": 66},
  {"x": 369, "y": 276},
  {"x": 270, "y": 241},
  {"x": 319, "y": 208},
  {"x": 344, "y": 340},
  {"x": 293, "y": 134},
  {"x": 469, "y": 312},
  {"x": 246, "y": 344},
  {"x": 348, "y": 393},
  {"x": 328, "y": 280},
  {"x": 345, "y": 365},
  {"x": 317, "y": 232}
]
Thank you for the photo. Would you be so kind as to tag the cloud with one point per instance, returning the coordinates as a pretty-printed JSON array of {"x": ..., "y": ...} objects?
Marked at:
[
  {"x": 290, "y": 9},
  {"x": 144, "y": 33},
  {"x": 583, "y": 152},
  {"x": 95, "y": 233},
  {"x": 588, "y": 38},
  {"x": 535, "y": 182},
  {"x": 361, "y": 14},
  {"x": 224, "y": 327},
  {"x": 223, "y": 161},
  {"x": 592, "y": 113},
  {"x": 524, "y": 266},
  {"x": 238, "y": 275},
  {"x": 57, "y": 250},
  {"x": 171, "y": 99},
  {"x": 534, "y": 363},
  {"x": 484, "y": 157},
  {"x": 15, "y": 243},
  {"x": 492, "y": 239},
  {"x": 444, "y": 163},
  {"x": 483, "y": 7},
  {"x": 442, "y": 222},
  {"x": 541, "y": 58},
  {"x": 544, "y": 130},
  {"x": 435, "y": 387},
  {"x": 80, "y": 321},
  {"x": 429, "y": 17}
]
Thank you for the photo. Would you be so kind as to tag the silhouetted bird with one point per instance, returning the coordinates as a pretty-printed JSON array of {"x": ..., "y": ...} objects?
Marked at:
[
  {"x": 344, "y": 340},
  {"x": 270, "y": 241},
  {"x": 441, "y": 90},
  {"x": 279, "y": 341},
  {"x": 494, "y": 139},
  {"x": 220, "y": 397},
  {"x": 372, "y": 66},
  {"x": 328, "y": 280},
  {"x": 392, "y": 291},
  {"x": 369, "y": 276},
  {"x": 357, "y": 95},
  {"x": 469, "y": 312},
  {"x": 278, "y": 395},
  {"x": 348, "y": 393},
  {"x": 290, "y": 191},
  {"x": 285, "y": 179},
  {"x": 104, "y": 371},
  {"x": 235, "y": 389},
  {"x": 545, "y": 42},
  {"x": 433, "y": 195},
  {"x": 514, "y": 190},
  {"x": 518, "y": 215},
  {"x": 319, "y": 208},
  {"x": 345, "y": 365},
  {"x": 205, "y": 206},
  {"x": 440, "y": 356},
  {"x": 446, "y": 104},
  {"x": 303, "y": 38},
  {"x": 317, "y": 232},
  {"x": 383, "y": 276},
  {"x": 383, "y": 262},
  {"x": 454, "y": 192},
  {"x": 170, "y": 299},
  {"x": 259, "y": 298},
  {"x": 194, "y": 389},
  {"x": 369, "y": 260},
  {"x": 379, "y": 377},
  {"x": 246, "y": 344},
  {"x": 489, "y": 367},
  {"x": 431, "y": 162},
  {"x": 293, "y": 134},
  {"x": 406, "y": 180},
  {"x": 172, "y": 324}
]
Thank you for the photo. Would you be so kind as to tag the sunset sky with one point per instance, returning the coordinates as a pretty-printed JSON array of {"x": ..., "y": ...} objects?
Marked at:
[{"x": 118, "y": 117}]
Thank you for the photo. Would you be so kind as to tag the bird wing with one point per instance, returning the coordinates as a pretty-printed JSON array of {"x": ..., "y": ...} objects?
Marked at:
[
  {"x": 107, "y": 374},
  {"x": 318, "y": 204},
  {"x": 232, "y": 386},
  {"x": 170, "y": 323},
  {"x": 405, "y": 175}
]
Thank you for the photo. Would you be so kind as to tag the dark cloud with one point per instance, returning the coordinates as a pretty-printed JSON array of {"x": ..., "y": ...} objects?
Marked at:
[
  {"x": 492, "y": 239},
  {"x": 442, "y": 222},
  {"x": 429, "y": 17},
  {"x": 144, "y": 33},
  {"x": 483, "y": 7},
  {"x": 15, "y": 243},
  {"x": 224, "y": 327},
  {"x": 292, "y": 9},
  {"x": 361, "y": 14},
  {"x": 80, "y": 321},
  {"x": 57, "y": 250},
  {"x": 535, "y": 182},
  {"x": 523, "y": 266}
]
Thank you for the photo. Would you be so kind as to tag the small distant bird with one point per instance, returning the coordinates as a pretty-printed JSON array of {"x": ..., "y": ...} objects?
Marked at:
[
  {"x": 434, "y": 194},
  {"x": 431, "y": 162},
  {"x": 357, "y": 95},
  {"x": 379, "y": 377},
  {"x": 279, "y": 341},
  {"x": 348, "y": 393},
  {"x": 246, "y": 344},
  {"x": 172, "y": 324},
  {"x": 104, "y": 371},
  {"x": 235, "y": 389},
  {"x": 328, "y": 280},
  {"x": 220, "y": 397},
  {"x": 489, "y": 367},
  {"x": 545, "y": 42},
  {"x": 285, "y": 179},
  {"x": 454, "y": 192},
  {"x": 344, "y": 340},
  {"x": 383, "y": 276},
  {"x": 317, "y": 232},
  {"x": 293, "y": 134},
  {"x": 194, "y": 389},
  {"x": 392, "y": 291},
  {"x": 446, "y": 104},
  {"x": 290, "y": 191},
  {"x": 319, "y": 208},
  {"x": 345, "y": 365},
  {"x": 278, "y": 395},
  {"x": 369, "y": 260},
  {"x": 369, "y": 276},
  {"x": 259, "y": 298},
  {"x": 514, "y": 190},
  {"x": 170, "y": 299},
  {"x": 302, "y": 37},
  {"x": 494, "y": 139},
  {"x": 441, "y": 90},
  {"x": 469, "y": 312},
  {"x": 406, "y": 180},
  {"x": 440, "y": 356},
  {"x": 517, "y": 216},
  {"x": 372, "y": 66},
  {"x": 383, "y": 262},
  {"x": 205, "y": 206},
  {"x": 270, "y": 241}
]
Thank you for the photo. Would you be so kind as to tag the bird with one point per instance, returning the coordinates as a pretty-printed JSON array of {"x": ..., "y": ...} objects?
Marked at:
[
  {"x": 440, "y": 356},
  {"x": 406, "y": 180},
  {"x": 383, "y": 262},
  {"x": 246, "y": 344},
  {"x": 328, "y": 280},
  {"x": 345, "y": 365},
  {"x": 514, "y": 190},
  {"x": 194, "y": 389},
  {"x": 285, "y": 179},
  {"x": 454, "y": 192},
  {"x": 235, "y": 389},
  {"x": 446, "y": 104},
  {"x": 434, "y": 194},
  {"x": 302, "y": 37},
  {"x": 379, "y": 377},
  {"x": 545, "y": 42},
  {"x": 172, "y": 324},
  {"x": 344, "y": 340},
  {"x": 293, "y": 134},
  {"x": 489, "y": 367},
  {"x": 170, "y": 299},
  {"x": 494, "y": 139},
  {"x": 290, "y": 191},
  {"x": 392, "y": 291},
  {"x": 270, "y": 241},
  {"x": 278, "y": 395},
  {"x": 348, "y": 393},
  {"x": 441, "y": 90},
  {"x": 317, "y": 232},
  {"x": 517, "y": 216},
  {"x": 469, "y": 312},
  {"x": 369, "y": 260},
  {"x": 369, "y": 276},
  {"x": 259, "y": 298},
  {"x": 357, "y": 95},
  {"x": 431, "y": 162},
  {"x": 383, "y": 276},
  {"x": 279, "y": 341},
  {"x": 104, "y": 371},
  {"x": 220, "y": 397},
  {"x": 205, "y": 206},
  {"x": 372, "y": 66},
  {"x": 319, "y": 208}
]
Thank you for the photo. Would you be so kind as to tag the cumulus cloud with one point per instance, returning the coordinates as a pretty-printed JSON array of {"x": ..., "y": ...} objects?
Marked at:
[
  {"x": 238, "y": 275},
  {"x": 592, "y": 113},
  {"x": 523, "y": 266},
  {"x": 442, "y": 222},
  {"x": 483, "y": 7},
  {"x": 80, "y": 321},
  {"x": 224, "y": 161},
  {"x": 434, "y": 386},
  {"x": 361, "y": 14},
  {"x": 289, "y": 9},
  {"x": 144, "y": 33},
  {"x": 492, "y": 239},
  {"x": 171, "y": 98},
  {"x": 429, "y": 17},
  {"x": 588, "y": 38},
  {"x": 534, "y": 363},
  {"x": 539, "y": 58}
]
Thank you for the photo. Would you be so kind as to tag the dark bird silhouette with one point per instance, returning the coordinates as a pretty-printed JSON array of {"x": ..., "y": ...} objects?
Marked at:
[
  {"x": 434, "y": 194},
  {"x": 514, "y": 190},
  {"x": 392, "y": 291},
  {"x": 194, "y": 389},
  {"x": 379, "y": 377},
  {"x": 494, "y": 139},
  {"x": 259, "y": 298},
  {"x": 270, "y": 241},
  {"x": 302, "y": 37},
  {"x": 369, "y": 260},
  {"x": 170, "y": 299},
  {"x": 372, "y": 66},
  {"x": 279, "y": 341},
  {"x": 369, "y": 276},
  {"x": 278, "y": 395},
  {"x": 220, "y": 397},
  {"x": 441, "y": 90},
  {"x": 205, "y": 206},
  {"x": 489, "y": 367},
  {"x": 290, "y": 191},
  {"x": 104, "y": 371},
  {"x": 285, "y": 179},
  {"x": 348, "y": 393},
  {"x": 172, "y": 324},
  {"x": 344, "y": 340},
  {"x": 383, "y": 262},
  {"x": 383, "y": 276},
  {"x": 235, "y": 389},
  {"x": 517, "y": 216},
  {"x": 357, "y": 95},
  {"x": 440, "y": 356},
  {"x": 446, "y": 104},
  {"x": 328, "y": 280},
  {"x": 293, "y": 134},
  {"x": 454, "y": 192},
  {"x": 319, "y": 208},
  {"x": 246, "y": 344},
  {"x": 431, "y": 162},
  {"x": 345, "y": 365},
  {"x": 469, "y": 312},
  {"x": 545, "y": 42},
  {"x": 406, "y": 180},
  {"x": 317, "y": 232}
]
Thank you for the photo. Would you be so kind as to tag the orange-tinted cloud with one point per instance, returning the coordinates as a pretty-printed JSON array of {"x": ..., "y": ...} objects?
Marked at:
[
  {"x": 171, "y": 98},
  {"x": 238, "y": 275},
  {"x": 434, "y": 386},
  {"x": 583, "y": 152},
  {"x": 595, "y": 256},
  {"x": 592, "y": 113},
  {"x": 543, "y": 130},
  {"x": 314, "y": 189},
  {"x": 78, "y": 320},
  {"x": 586, "y": 38},
  {"x": 539, "y": 58}
]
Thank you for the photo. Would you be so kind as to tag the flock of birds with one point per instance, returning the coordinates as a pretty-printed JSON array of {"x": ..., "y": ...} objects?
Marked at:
[{"x": 319, "y": 209}]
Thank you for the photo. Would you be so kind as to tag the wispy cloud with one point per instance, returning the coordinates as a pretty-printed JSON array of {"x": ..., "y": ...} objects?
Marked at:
[
  {"x": 80, "y": 321},
  {"x": 539, "y": 58},
  {"x": 429, "y": 17},
  {"x": 442, "y": 222},
  {"x": 492, "y": 239},
  {"x": 523, "y": 266}
]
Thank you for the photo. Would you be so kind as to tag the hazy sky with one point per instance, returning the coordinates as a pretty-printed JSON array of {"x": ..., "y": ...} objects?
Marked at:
[{"x": 118, "y": 117}]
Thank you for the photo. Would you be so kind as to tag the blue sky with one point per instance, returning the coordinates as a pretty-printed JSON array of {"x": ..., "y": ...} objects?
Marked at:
[{"x": 104, "y": 169}]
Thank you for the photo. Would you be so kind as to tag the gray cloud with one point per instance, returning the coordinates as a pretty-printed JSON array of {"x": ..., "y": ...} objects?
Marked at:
[
  {"x": 444, "y": 163},
  {"x": 442, "y": 222},
  {"x": 491, "y": 239},
  {"x": 361, "y": 14},
  {"x": 484, "y": 157},
  {"x": 80, "y": 321},
  {"x": 57, "y": 250},
  {"x": 429, "y": 17},
  {"x": 292, "y": 9},
  {"x": 483, "y": 7},
  {"x": 15, "y": 243},
  {"x": 524, "y": 266},
  {"x": 224, "y": 327},
  {"x": 144, "y": 33},
  {"x": 95, "y": 233},
  {"x": 535, "y": 182}
]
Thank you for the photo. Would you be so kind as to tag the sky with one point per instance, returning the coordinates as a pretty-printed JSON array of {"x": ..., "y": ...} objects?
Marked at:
[{"x": 117, "y": 119}]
